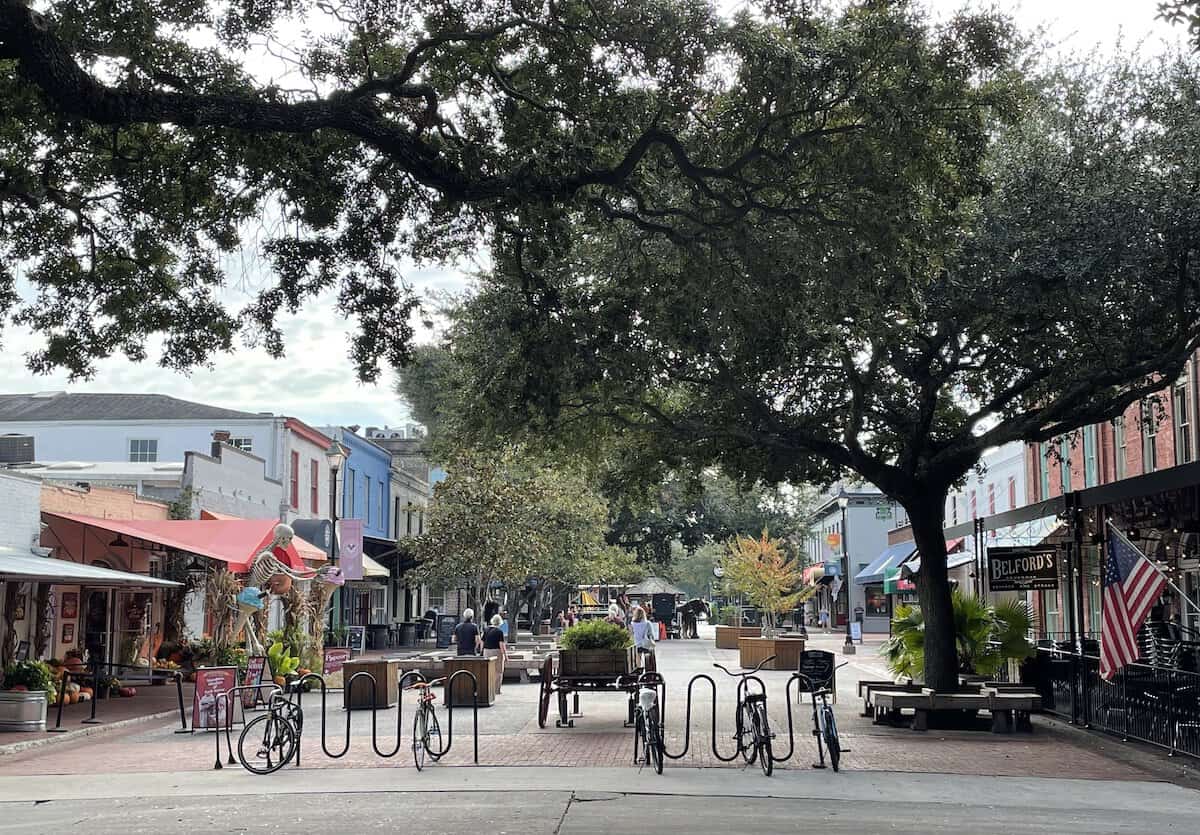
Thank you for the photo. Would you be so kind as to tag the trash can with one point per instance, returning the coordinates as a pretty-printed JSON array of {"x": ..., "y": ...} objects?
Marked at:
[
  {"x": 377, "y": 635},
  {"x": 408, "y": 634}
]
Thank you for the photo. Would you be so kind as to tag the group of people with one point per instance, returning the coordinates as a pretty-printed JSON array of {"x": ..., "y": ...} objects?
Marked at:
[
  {"x": 645, "y": 631},
  {"x": 490, "y": 642}
]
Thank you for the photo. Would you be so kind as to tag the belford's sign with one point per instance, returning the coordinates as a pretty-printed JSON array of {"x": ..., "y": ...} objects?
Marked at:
[{"x": 1022, "y": 567}]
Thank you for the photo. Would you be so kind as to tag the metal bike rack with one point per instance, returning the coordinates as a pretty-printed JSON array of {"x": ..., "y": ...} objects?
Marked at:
[
  {"x": 742, "y": 689},
  {"x": 229, "y": 706},
  {"x": 412, "y": 675}
]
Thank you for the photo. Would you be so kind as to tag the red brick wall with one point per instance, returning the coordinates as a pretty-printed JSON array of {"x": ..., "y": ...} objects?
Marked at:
[{"x": 104, "y": 502}]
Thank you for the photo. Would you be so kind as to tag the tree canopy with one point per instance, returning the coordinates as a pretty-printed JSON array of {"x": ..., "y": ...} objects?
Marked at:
[
  {"x": 146, "y": 145},
  {"x": 1015, "y": 286}
]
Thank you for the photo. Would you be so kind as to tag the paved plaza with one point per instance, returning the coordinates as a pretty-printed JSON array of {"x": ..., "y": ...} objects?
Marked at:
[{"x": 509, "y": 734}]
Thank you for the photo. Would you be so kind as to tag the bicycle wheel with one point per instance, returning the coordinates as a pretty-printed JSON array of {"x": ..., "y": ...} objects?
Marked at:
[
  {"x": 433, "y": 736},
  {"x": 746, "y": 739},
  {"x": 762, "y": 733},
  {"x": 266, "y": 744},
  {"x": 832, "y": 744},
  {"x": 654, "y": 741},
  {"x": 420, "y": 729}
]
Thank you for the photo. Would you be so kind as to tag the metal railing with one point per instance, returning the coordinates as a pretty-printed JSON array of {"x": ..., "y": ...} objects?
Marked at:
[
  {"x": 1144, "y": 702},
  {"x": 92, "y": 676}
]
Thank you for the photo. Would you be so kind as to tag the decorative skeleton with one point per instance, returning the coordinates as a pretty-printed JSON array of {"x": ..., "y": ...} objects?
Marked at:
[{"x": 269, "y": 575}]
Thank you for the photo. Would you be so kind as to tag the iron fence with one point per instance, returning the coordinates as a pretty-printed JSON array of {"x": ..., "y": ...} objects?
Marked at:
[{"x": 1145, "y": 702}]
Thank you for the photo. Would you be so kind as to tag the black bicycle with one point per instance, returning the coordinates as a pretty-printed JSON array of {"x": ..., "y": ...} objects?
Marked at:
[
  {"x": 268, "y": 742},
  {"x": 752, "y": 733},
  {"x": 427, "y": 732},
  {"x": 824, "y": 724},
  {"x": 647, "y": 724}
]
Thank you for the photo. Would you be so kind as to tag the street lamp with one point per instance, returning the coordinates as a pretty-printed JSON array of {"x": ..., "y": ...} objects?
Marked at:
[
  {"x": 335, "y": 456},
  {"x": 844, "y": 502}
]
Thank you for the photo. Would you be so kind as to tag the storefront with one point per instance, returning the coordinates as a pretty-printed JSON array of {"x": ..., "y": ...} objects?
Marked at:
[{"x": 877, "y": 606}]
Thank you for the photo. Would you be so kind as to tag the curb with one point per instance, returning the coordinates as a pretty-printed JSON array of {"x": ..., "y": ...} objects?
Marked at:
[{"x": 90, "y": 730}]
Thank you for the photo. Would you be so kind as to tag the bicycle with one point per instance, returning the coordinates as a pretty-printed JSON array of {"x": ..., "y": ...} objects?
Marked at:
[
  {"x": 647, "y": 724},
  {"x": 752, "y": 733},
  {"x": 268, "y": 742},
  {"x": 427, "y": 733},
  {"x": 824, "y": 723}
]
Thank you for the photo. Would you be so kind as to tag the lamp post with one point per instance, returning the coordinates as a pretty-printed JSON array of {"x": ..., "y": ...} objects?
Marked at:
[
  {"x": 844, "y": 502},
  {"x": 335, "y": 456}
]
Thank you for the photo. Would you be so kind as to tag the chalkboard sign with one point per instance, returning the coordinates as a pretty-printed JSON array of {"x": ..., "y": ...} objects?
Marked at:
[
  {"x": 356, "y": 638},
  {"x": 445, "y": 630},
  {"x": 817, "y": 664}
]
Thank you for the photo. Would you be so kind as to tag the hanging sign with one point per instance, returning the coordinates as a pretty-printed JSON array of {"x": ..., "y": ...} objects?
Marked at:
[
  {"x": 1019, "y": 568},
  {"x": 256, "y": 665},
  {"x": 833, "y": 539},
  {"x": 210, "y": 707},
  {"x": 350, "y": 555}
]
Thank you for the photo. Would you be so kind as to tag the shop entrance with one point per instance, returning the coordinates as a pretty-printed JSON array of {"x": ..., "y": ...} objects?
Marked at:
[{"x": 96, "y": 623}]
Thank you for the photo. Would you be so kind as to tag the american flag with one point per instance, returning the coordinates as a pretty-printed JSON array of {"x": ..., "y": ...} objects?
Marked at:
[{"x": 1131, "y": 586}]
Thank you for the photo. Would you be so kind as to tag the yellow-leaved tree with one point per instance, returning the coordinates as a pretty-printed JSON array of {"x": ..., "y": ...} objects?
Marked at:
[{"x": 762, "y": 572}]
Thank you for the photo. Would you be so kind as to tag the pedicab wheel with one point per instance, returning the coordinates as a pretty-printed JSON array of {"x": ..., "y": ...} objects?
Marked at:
[{"x": 544, "y": 702}]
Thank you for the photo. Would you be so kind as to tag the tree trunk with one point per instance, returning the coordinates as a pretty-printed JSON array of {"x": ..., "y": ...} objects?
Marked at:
[{"x": 933, "y": 589}]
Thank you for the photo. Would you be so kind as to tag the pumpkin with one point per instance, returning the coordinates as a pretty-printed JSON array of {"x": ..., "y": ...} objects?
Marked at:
[
  {"x": 280, "y": 680},
  {"x": 303, "y": 671},
  {"x": 72, "y": 698},
  {"x": 280, "y": 584},
  {"x": 127, "y": 692}
]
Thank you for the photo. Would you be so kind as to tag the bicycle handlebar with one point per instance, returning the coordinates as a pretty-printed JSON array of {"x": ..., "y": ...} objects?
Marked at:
[
  {"x": 824, "y": 684},
  {"x": 748, "y": 672}
]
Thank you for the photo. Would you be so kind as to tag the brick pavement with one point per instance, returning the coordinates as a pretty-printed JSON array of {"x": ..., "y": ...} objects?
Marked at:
[{"x": 509, "y": 736}]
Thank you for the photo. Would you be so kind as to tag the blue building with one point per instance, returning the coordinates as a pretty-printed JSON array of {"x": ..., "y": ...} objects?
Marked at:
[{"x": 364, "y": 492}]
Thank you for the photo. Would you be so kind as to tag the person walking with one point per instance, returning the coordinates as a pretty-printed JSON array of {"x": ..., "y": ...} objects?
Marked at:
[
  {"x": 495, "y": 646},
  {"x": 466, "y": 634},
  {"x": 615, "y": 615},
  {"x": 643, "y": 631},
  {"x": 560, "y": 622}
]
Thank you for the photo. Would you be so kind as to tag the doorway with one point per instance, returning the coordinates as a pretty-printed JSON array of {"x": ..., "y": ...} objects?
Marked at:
[{"x": 96, "y": 623}]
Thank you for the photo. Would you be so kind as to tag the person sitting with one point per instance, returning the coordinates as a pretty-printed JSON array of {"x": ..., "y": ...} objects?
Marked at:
[
  {"x": 466, "y": 634},
  {"x": 495, "y": 646}
]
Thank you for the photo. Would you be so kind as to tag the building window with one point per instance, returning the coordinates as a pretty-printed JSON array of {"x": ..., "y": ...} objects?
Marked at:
[
  {"x": 1091, "y": 463},
  {"x": 379, "y": 605},
  {"x": 1119, "y": 447},
  {"x": 348, "y": 498},
  {"x": 991, "y": 500},
  {"x": 314, "y": 477},
  {"x": 244, "y": 444},
  {"x": 367, "y": 496},
  {"x": 295, "y": 481},
  {"x": 437, "y": 599},
  {"x": 1064, "y": 464},
  {"x": 1183, "y": 422},
  {"x": 408, "y": 521},
  {"x": 1149, "y": 431},
  {"x": 1044, "y": 470},
  {"x": 143, "y": 451},
  {"x": 1012, "y": 493},
  {"x": 382, "y": 521}
]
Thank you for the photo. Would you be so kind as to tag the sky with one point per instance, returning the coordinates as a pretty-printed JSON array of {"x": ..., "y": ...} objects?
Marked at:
[{"x": 315, "y": 381}]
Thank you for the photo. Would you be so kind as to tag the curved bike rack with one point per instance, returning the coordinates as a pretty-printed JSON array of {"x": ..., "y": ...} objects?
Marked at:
[
  {"x": 228, "y": 695},
  {"x": 742, "y": 689},
  {"x": 404, "y": 678}
]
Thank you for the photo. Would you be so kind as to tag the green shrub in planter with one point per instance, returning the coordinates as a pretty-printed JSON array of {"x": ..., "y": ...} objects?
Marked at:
[
  {"x": 32, "y": 675},
  {"x": 596, "y": 634}
]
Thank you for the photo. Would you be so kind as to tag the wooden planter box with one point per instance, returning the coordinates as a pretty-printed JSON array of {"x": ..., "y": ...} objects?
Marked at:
[
  {"x": 595, "y": 662},
  {"x": 383, "y": 691},
  {"x": 786, "y": 651},
  {"x": 727, "y": 636}
]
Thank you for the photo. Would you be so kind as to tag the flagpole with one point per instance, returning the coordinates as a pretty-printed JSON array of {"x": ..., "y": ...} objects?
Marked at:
[{"x": 1153, "y": 565}]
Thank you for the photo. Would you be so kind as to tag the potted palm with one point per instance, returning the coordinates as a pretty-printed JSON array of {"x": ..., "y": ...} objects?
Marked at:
[
  {"x": 987, "y": 637},
  {"x": 595, "y": 648}
]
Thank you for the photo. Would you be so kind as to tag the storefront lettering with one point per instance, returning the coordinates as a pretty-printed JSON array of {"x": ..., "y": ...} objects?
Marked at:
[{"x": 1019, "y": 568}]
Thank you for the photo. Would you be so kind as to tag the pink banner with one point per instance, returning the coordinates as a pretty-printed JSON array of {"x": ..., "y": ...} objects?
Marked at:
[
  {"x": 350, "y": 540},
  {"x": 209, "y": 705}
]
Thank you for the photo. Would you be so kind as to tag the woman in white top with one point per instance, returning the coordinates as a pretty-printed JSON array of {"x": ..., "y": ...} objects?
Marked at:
[{"x": 643, "y": 631}]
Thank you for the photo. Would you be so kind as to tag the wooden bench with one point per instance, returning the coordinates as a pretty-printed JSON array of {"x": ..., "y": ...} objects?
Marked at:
[
  {"x": 521, "y": 666},
  {"x": 867, "y": 688},
  {"x": 1008, "y": 709}
]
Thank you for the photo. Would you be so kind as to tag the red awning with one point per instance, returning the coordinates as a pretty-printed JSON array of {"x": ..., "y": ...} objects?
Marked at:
[
  {"x": 951, "y": 544},
  {"x": 233, "y": 541},
  {"x": 308, "y": 551}
]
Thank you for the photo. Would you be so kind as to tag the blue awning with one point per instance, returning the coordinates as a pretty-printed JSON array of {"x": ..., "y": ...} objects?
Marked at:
[{"x": 892, "y": 556}]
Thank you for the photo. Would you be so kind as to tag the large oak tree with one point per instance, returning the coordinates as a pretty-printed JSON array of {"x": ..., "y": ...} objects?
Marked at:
[{"x": 1016, "y": 289}]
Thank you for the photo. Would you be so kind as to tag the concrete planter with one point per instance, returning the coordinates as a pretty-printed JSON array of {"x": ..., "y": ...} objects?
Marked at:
[
  {"x": 727, "y": 636},
  {"x": 22, "y": 711}
]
